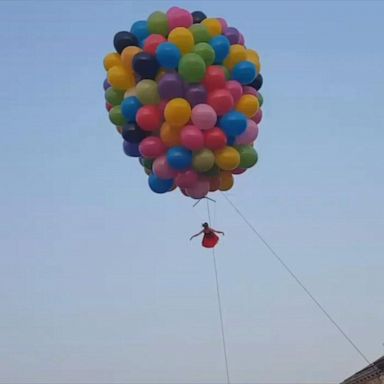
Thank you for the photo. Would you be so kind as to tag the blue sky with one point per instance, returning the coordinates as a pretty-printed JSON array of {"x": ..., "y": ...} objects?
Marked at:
[{"x": 98, "y": 281}]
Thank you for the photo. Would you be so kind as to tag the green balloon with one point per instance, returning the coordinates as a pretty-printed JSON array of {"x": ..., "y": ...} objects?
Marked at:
[
  {"x": 248, "y": 156},
  {"x": 114, "y": 96},
  {"x": 206, "y": 52},
  {"x": 158, "y": 23},
  {"x": 147, "y": 163},
  {"x": 227, "y": 73},
  {"x": 213, "y": 172},
  {"x": 200, "y": 33},
  {"x": 116, "y": 116},
  {"x": 192, "y": 68},
  {"x": 203, "y": 160},
  {"x": 147, "y": 92},
  {"x": 260, "y": 98}
]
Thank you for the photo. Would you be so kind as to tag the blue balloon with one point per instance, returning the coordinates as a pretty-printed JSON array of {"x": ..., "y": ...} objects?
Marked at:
[
  {"x": 221, "y": 46},
  {"x": 131, "y": 149},
  {"x": 233, "y": 123},
  {"x": 179, "y": 158},
  {"x": 231, "y": 140},
  {"x": 244, "y": 72},
  {"x": 140, "y": 29},
  {"x": 158, "y": 185},
  {"x": 168, "y": 55},
  {"x": 129, "y": 108}
]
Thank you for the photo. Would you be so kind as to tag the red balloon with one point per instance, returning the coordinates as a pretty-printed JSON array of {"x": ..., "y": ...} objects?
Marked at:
[
  {"x": 238, "y": 171},
  {"x": 108, "y": 106},
  {"x": 215, "y": 139},
  {"x": 214, "y": 78},
  {"x": 214, "y": 184},
  {"x": 149, "y": 118},
  {"x": 152, "y": 42},
  {"x": 221, "y": 101}
]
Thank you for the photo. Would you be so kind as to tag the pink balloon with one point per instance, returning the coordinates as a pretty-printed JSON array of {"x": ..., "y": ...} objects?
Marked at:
[
  {"x": 162, "y": 169},
  {"x": 152, "y": 147},
  {"x": 249, "y": 90},
  {"x": 199, "y": 190},
  {"x": 204, "y": 116},
  {"x": 223, "y": 23},
  {"x": 249, "y": 135},
  {"x": 241, "y": 39},
  {"x": 259, "y": 115},
  {"x": 192, "y": 138},
  {"x": 235, "y": 88},
  {"x": 162, "y": 105},
  {"x": 186, "y": 179},
  {"x": 178, "y": 17}
]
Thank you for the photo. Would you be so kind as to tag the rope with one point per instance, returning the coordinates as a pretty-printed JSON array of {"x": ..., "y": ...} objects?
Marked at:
[
  {"x": 219, "y": 304},
  {"x": 301, "y": 284}
]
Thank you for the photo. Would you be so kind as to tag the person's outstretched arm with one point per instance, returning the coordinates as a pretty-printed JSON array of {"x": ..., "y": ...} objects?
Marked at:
[
  {"x": 197, "y": 234},
  {"x": 219, "y": 232}
]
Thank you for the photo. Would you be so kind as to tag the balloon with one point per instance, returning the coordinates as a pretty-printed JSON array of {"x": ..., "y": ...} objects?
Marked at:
[
  {"x": 132, "y": 133},
  {"x": 196, "y": 94},
  {"x": 192, "y": 138},
  {"x": 227, "y": 158},
  {"x": 192, "y": 68},
  {"x": 200, "y": 33},
  {"x": 177, "y": 112},
  {"x": 127, "y": 56},
  {"x": 158, "y": 185},
  {"x": 198, "y": 17},
  {"x": 106, "y": 84},
  {"x": 258, "y": 82},
  {"x": 206, "y": 52},
  {"x": 114, "y": 96},
  {"x": 215, "y": 138},
  {"x": 203, "y": 160},
  {"x": 212, "y": 172},
  {"x": 244, "y": 72},
  {"x": 178, "y": 17},
  {"x": 247, "y": 90},
  {"x": 140, "y": 29},
  {"x": 146, "y": 163},
  {"x": 162, "y": 169},
  {"x": 170, "y": 135},
  {"x": 152, "y": 42},
  {"x": 233, "y": 123},
  {"x": 131, "y": 149},
  {"x": 186, "y": 179},
  {"x": 168, "y": 55},
  {"x": 145, "y": 65},
  {"x": 199, "y": 190},
  {"x": 248, "y": 104},
  {"x": 248, "y": 156},
  {"x": 179, "y": 158},
  {"x": 204, "y": 116},
  {"x": 124, "y": 39},
  {"x": 129, "y": 108},
  {"x": 147, "y": 92},
  {"x": 254, "y": 58},
  {"x": 214, "y": 78},
  {"x": 214, "y": 184},
  {"x": 108, "y": 106},
  {"x": 152, "y": 147},
  {"x": 237, "y": 54},
  {"x": 232, "y": 34},
  {"x": 213, "y": 26},
  {"x": 111, "y": 60},
  {"x": 221, "y": 101},
  {"x": 223, "y": 23},
  {"x": 260, "y": 98},
  {"x": 149, "y": 118},
  {"x": 242, "y": 40},
  {"x": 120, "y": 78},
  {"x": 235, "y": 88},
  {"x": 257, "y": 118},
  {"x": 249, "y": 135},
  {"x": 116, "y": 116},
  {"x": 158, "y": 23},
  {"x": 221, "y": 46},
  {"x": 130, "y": 92},
  {"x": 238, "y": 171},
  {"x": 182, "y": 38},
  {"x": 226, "y": 181},
  {"x": 171, "y": 86}
]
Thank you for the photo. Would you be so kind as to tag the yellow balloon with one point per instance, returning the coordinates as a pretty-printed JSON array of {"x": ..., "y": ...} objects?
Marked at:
[
  {"x": 127, "y": 56},
  {"x": 254, "y": 58},
  {"x": 182, "y": 38},
  {"x": 227, "y": 158},
  {"x": 120, "y": 78},
  {"x": 248, "y": 104},
  {"x": 226, "y": 181},
  {"x": 130, "y": 92},
  {"x": 237, "y": 53},
  {"x": 111, "y": 60},
  {"x": 177, "y": 112},
  {"x": 170, "y": 135},
  {"x": 213, "y": 26}
]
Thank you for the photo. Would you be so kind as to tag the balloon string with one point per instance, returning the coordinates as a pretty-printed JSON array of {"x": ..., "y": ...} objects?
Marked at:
[{"x": 219, "y": 304}]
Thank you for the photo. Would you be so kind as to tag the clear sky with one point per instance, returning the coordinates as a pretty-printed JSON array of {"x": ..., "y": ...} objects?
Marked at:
[{"x": 98, "y": 281}]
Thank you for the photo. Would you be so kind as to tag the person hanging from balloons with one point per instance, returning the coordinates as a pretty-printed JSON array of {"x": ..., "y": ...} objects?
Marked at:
[{"x": 210, "y": 238}]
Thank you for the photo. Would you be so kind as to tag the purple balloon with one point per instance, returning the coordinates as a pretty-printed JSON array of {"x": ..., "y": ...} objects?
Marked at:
[
  {"x": 196, "y": 94},
  {"x": 106, "y": 84},
  {"x": 232, "y": 34},
  {"x": 131, "y": 149},
  {"x": 171, "y": 86}
]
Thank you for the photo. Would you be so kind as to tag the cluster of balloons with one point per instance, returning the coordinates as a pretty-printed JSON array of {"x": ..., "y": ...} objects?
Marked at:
[{"x": 183, "y": 91}]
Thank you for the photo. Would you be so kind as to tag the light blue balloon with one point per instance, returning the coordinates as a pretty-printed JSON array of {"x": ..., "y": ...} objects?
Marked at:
[
  {"x": 179, "y": 158},
  {"x": 129, "y": 108},
  {"x": 244, "y": 72},
  {"x": 233, "y": 123},
  {"x": 221, "y": 46},
  {"x": 168, "y": 55},
  {"x": 158, "y": 185},
  {"x": 140, "y": 29}
]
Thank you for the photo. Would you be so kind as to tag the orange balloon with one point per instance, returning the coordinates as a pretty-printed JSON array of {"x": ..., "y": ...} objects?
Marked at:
[
  {"x": 120, "y": 78},
  {"x": 111, "y": 60},
  {"x": 127, "y": 56},
  {"x": 226, "y": 181},
  {"x": 254, "y": 58},
  {"x": 170, "y": 135}
]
